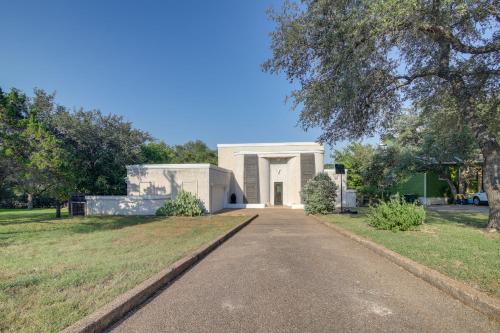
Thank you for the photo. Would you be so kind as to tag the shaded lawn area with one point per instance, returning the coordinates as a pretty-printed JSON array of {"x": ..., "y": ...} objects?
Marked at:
[
  {"x": 453, "y": 243},
  {"x": 54, "y": 272},
  {"x": 19, "y": 216}
]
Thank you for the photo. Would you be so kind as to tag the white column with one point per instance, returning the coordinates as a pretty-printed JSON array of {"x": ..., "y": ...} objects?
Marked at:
[
  {"x": 264, "y": 186},
  {"x": 238, "y": 177},
  {"x": 319, "y": 162}
]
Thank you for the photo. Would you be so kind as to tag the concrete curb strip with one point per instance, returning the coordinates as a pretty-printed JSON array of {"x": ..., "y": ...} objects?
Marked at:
[
  {"x": 467, "y": 295},
  {"x": 118, "y": 308}
]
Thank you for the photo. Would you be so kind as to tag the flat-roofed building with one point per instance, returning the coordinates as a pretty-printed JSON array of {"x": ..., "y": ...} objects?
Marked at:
[
  {"x": 270, "y": 174},
  {"x": 250, "y": 175}
]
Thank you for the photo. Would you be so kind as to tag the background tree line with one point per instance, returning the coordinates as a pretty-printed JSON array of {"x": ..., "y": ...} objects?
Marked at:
[
  {"x": 414, "y": 142},
  {"x": 48, "y": 151}
]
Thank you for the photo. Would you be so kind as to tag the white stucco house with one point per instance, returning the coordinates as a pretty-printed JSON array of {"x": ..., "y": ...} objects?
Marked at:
[{"x": 255, "y": 175}]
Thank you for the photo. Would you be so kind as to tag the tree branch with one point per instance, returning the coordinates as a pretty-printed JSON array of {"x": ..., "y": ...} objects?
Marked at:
[
  {"x": 410, "y": 78},
  {"x": 439, "y": 33}
]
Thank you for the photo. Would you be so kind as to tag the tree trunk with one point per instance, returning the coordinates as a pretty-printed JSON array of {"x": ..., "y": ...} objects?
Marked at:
[
  {"x": 58, "y": 209},
  {"x": 491, "y": 170},
  {"x": 462, "y": 185},
  {"x": 489, "y": 148},
  {"x": 453, "y": 188},
  {"x": 30, "y": 201}
]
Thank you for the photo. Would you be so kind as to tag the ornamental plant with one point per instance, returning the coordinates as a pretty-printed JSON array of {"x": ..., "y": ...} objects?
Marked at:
[
  {"x": 319, "y": 195},
  {"x": 184, "y": 204},
  {"x": 396, "y": 214}
]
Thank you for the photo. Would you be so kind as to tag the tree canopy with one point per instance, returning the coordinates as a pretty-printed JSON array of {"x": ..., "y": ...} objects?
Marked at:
[
  {"x": 49, "y": 151},
  {"x": 413, "y": 143},
  {"x": 358, "y": 63},
  {"x": 190, "y": 152}
]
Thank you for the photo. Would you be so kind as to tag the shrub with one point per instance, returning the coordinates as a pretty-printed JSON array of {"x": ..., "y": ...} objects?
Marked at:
[
  {"x": 184, "y": 204},
  {"x": 319, "y": 195},
  {"x": 396, "y": 214}
]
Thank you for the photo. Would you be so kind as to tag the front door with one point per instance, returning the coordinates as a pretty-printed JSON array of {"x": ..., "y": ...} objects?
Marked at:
[{"x": 278, "y": 193}]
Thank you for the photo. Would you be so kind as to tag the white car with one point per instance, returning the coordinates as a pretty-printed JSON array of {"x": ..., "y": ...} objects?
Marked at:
[{"x": 479, "y": 198}]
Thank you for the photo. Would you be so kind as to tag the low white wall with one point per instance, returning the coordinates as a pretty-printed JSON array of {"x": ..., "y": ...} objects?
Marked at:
[
  {"x": 433, "y": 201},
  {"x": 350, "y": 198},
  {"x": 123, "y": 205},
  {"x": 241, "y": 206}
]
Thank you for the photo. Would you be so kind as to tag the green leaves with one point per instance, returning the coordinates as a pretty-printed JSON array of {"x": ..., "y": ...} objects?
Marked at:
[
  {"x": 396, "y": 215},
  {"x": 184, "y": 204},
  {"x": 319, "y": 195},
  {"x": 357, "y": 159},
  {"x": 357, "y": 61},
  {"x": 99, "y": 147},
  {"x": 190, "y": 152}
]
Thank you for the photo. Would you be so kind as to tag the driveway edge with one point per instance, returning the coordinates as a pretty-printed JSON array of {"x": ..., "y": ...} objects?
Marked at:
[
  {"x": 124, "y": 303},
  {"x": 458, "y": 290}
]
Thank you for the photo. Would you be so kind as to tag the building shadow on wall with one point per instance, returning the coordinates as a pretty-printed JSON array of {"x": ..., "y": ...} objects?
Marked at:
[
  {"x": 236, "y": 190},
  {"x": 135, "y": 171},
  {"x": 132, "y": 205}
]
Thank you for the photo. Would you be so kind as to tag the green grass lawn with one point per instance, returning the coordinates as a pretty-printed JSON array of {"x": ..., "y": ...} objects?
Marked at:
[
  {"x": 54, "y": 272},
  {"x": 453, "y": 243}
]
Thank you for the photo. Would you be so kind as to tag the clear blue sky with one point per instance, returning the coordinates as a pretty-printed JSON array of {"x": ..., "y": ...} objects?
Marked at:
[{"x": 181, "y": 70}]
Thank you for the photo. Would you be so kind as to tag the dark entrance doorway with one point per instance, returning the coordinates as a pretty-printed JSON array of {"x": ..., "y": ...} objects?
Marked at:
[{"x": 278, "y": 193}]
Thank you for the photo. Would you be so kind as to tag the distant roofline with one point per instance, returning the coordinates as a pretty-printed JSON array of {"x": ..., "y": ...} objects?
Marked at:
[
  {"x": 177, "y": 166},
  {"x": 224, "y": 145},
  {"x": 270, "y": 154}
]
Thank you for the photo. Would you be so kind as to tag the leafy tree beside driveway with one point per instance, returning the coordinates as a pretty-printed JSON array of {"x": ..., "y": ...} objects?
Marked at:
[{"x": 358, "y": 62}]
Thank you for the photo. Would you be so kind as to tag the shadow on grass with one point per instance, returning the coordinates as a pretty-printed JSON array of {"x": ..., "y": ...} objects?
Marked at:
[
  {"x": 16, "y": 219},
  {"x": 116, "y": 222},
  {"x": 77, "y": 225},
  {"x": 361, "y": 214},
  {"x": 475, "y": 220}
]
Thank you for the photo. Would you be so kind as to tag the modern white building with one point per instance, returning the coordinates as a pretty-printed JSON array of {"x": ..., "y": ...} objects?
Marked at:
[
  {"x": 270, "y": 174},
  {"x": 255, "y": 175}
]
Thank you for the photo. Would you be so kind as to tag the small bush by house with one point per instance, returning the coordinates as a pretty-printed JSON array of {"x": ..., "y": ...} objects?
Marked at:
[
  {"x": 319, "y": 195},
  {"x": 185, "y": 204},
  {"x": 396, "y": 214}
]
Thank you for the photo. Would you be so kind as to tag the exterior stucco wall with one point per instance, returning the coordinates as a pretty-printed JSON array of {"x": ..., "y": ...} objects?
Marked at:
[
  {"x": 294, "y": 180},
  {"x": 219, "y": 188},
  {"x": 319, "y": 162},
  {"x": 207, "y": 182},
  {"x": 231, "y": 158},
  {"x": 148, "y": 186},
  {"x": 348, "y": 196},
  {"x": 123, "y": 205},
  {"x": 158, "y": 180},
  {"x": 265, "y": 183}
]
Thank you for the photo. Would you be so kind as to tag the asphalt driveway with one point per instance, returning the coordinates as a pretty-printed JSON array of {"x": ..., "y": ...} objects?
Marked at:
[{"x": 287, "y": 273}]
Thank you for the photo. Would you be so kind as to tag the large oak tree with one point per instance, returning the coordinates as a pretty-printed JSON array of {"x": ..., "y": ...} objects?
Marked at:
[{"x": 359, "y": 62}]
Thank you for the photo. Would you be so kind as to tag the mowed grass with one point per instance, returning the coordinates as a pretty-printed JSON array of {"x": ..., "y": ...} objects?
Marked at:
[
  {"x": 453, "y": 243},
  {"x": 54, "y": 272}
]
